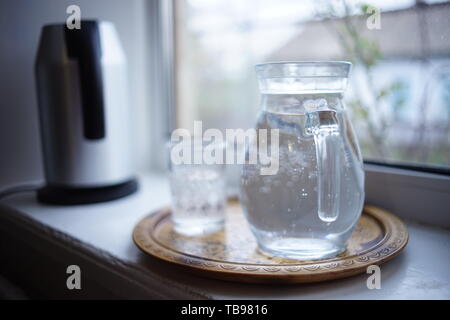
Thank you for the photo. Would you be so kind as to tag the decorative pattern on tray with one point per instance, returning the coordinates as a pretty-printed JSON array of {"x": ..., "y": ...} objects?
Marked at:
[{"x": 233, "y": 254}]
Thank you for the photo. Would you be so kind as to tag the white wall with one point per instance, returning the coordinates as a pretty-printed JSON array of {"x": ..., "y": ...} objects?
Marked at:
[{"x": 20, "y": 24}]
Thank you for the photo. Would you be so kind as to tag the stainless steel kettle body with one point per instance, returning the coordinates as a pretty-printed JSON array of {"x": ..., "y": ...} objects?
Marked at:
[{"x": 84, "y": 115}]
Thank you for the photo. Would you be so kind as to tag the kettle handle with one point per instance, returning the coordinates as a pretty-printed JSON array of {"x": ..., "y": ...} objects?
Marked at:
[
  {"x": 84, "y": 46},
  {"x": 324, "y": 127}
]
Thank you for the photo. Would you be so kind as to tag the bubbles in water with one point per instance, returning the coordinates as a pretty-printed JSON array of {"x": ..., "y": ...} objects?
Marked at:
[{"x": 285, "y": 206}]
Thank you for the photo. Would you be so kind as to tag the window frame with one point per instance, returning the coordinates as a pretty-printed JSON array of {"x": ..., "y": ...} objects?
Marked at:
[
  {"x": 411, "y": 194},
  {"x": 161, "y": 74}
]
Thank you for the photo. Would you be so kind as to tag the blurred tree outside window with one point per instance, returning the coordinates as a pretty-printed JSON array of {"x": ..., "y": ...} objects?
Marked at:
[{"x": 399, "y": 93}]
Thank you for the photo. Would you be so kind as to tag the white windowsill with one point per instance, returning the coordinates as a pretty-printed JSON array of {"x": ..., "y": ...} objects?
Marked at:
[{"x": 100, "y": 235}]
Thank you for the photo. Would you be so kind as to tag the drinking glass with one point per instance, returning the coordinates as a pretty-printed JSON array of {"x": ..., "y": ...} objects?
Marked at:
[{"x": 198, "y": 189}]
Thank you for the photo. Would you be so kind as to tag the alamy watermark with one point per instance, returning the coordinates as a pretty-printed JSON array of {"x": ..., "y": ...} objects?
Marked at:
[
  {"x": 74, "y": 279},
  {"x": 374, "y": 20},
  {"x": 212, "y": 147},
  {"x": 374, "y": 281},
  {"x": 73, "y": 21}
]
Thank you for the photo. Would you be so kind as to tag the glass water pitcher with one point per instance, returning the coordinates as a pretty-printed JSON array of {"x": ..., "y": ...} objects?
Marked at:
[{"x": 309, "y": 207}]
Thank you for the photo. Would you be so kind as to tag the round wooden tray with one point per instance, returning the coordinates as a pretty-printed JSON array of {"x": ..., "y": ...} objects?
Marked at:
[{"x": 233, "y": 255}]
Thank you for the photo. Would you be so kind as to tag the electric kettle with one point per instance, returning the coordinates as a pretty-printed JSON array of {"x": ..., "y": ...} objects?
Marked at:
[{"x": 84, "y": 114}]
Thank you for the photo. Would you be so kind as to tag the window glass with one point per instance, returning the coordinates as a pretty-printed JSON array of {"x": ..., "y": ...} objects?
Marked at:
[{"x": 399, "y": 92}]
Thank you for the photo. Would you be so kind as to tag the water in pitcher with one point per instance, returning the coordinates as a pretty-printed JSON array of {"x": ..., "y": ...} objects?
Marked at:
[{"x": 283, "y": 209}]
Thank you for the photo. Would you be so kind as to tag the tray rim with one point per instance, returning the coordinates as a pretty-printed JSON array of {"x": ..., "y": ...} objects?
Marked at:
[{"x": 303, "y": 272}]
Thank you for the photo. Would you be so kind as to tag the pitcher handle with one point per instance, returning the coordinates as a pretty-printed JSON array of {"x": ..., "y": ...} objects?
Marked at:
[{"x": 324, "y": 127}]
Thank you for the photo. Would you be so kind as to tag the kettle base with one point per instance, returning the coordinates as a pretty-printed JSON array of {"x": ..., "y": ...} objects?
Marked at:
[{"x": 72, "y": 196}]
